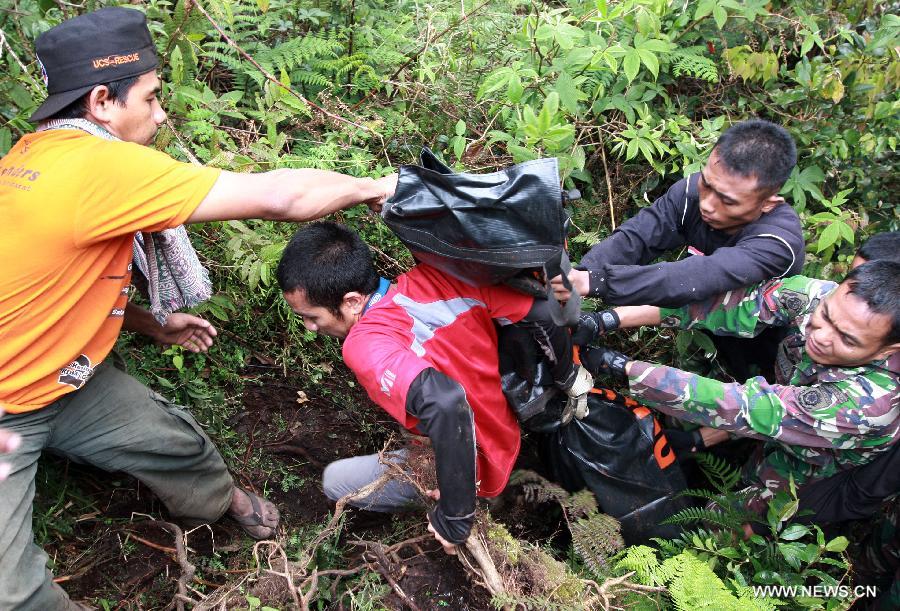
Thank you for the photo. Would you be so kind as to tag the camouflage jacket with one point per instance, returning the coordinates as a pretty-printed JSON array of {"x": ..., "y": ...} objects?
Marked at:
[{"x": 816, "y": 420}]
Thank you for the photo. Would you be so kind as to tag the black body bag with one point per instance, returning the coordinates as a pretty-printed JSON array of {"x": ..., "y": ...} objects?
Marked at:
[
  {"x": 620, "y": 453},
  {"x": 503, "y": 227},
  {"x": 618, "y": 450}
]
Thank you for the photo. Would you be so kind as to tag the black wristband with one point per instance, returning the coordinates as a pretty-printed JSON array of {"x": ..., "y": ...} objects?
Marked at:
[{"x": 609, "y": 319}]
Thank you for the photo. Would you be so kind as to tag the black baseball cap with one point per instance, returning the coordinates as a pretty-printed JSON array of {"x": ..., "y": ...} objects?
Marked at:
[{"x": 100, "y": 47}]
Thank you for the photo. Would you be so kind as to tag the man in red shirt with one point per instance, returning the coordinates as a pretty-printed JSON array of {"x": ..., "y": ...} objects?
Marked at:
[{"x": 425, "y": 350}]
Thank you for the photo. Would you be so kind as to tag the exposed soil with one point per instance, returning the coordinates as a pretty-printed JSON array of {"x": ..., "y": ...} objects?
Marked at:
[{"x": 117, "y": 556}]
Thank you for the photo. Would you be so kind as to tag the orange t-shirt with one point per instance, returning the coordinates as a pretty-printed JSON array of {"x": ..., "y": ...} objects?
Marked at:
[{"x": 70, "y": 204}]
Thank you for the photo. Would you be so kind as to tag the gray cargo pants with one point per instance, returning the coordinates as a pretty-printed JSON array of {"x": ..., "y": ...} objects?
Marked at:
[{"x": 117, "y": 424}]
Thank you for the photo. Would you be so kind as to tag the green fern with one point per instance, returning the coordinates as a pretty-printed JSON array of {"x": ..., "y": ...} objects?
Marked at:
[
  {"x": 690, "y": 61},
  {"x": 642, "y": 560},
  {"x": 690, "y": 582},
  {"x": 702, "y": 514},
  {"x": 596, "y": 538},
  {"x": 695, "y": 586},
  {"x": 721, "y": 474}
]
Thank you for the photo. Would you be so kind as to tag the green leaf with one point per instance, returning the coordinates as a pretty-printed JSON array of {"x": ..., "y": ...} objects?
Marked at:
[
  {"x": 656, "y": 45},
  {"x": 551, "y": 105},
  {"x": 846, "y": 232},
  {"x": 791, "y": 553},
  {"x": 767, "y": 577},
  {"x": 514, "y": 89},
  {"x": 838, "y": 544},
  {"x": 788, "y": 511},
  {"x": 520, "y": 153},
  {"x": 632, "y": 150},
  {"x": 458, "y": 144},
  {"x": 460, "y": 127},
  {"x": 808, "y": 42},
  {"x": 494, "y": 81},
  {"x": 829, "y": 237},
  {"x": 649, "y": 60},
  {"x": 646, "y": 149},
  {"x": 5, "y": 140},
  {"x": 568, "y": 35},
  {"x": 793, "y": 532},
  {"x": 601, "y": 7},
  {"x": 720, "y": 15},
  {"x": 176, "y": 63},
  {"x": 20, "y": 97},
  {"x": 569, "y": 94},
  {"x": 704, "y": 8},
  {"x": 631, "y": 63}
]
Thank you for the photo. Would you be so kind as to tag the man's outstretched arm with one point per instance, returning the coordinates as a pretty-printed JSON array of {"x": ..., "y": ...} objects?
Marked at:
[{"x": 289, "y": 195}]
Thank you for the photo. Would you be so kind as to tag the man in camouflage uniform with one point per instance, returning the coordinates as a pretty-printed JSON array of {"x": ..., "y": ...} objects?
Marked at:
[{"x": 835, "y": 404}]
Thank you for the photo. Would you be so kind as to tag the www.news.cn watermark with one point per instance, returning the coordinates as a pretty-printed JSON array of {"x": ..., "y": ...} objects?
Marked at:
[{"x": 817, "y": 591}]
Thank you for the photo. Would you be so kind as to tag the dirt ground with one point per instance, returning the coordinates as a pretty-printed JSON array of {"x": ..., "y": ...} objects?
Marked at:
[
  {"x": 108, "y": 548},
  {"x": 116, "y": 555}
]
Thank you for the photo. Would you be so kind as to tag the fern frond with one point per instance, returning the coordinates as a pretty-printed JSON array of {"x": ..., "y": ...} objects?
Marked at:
[
  {"x": 690, "y": 61},
  {"x": 596, "y": 538},
  {"x": 723, "y": 476},
  {"x": 643, "y": 561},
  {"x": 701, "y": 514},
  {"x": 580, "y": 504}
]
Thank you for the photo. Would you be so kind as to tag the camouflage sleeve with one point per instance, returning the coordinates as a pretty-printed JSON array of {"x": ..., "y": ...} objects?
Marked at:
[
  {"x": 854, "y": 412},
  {"x": 747, "y": 311}
]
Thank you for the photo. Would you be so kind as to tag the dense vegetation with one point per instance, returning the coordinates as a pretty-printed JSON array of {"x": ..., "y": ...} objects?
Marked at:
[{"x": 629, "y": 94}]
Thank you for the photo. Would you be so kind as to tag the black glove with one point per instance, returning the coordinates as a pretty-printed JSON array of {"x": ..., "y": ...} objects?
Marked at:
[
  {"x": 600, "y": 359},
  {"x": 685, "y": 442},
  {"x": 592, "y": 325}
]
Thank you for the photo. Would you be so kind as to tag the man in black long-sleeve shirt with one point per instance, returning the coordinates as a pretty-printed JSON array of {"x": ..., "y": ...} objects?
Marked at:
[
  {"x": 729, "y": 215},
  {"x": 736, "y": 227}
]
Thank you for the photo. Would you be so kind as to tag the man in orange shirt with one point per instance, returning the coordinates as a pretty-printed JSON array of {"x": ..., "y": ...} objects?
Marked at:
[{"x": 73, "y": 195}]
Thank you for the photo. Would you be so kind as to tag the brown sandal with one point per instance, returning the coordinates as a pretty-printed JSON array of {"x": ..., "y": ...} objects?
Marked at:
[{"x": 256, "y": 520}]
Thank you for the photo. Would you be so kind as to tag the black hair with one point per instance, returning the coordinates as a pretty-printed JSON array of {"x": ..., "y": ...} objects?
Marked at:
[
  {"x": 881, "y": 247},
  {"x": 118, "y": 93},
  {"x": 327, "y": 260},
  {"x": 760, "y": 149},
  {"x": 878, "y": 284}
]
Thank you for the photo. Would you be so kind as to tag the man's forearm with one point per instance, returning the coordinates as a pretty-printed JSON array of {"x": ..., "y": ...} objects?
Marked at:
[
  {"x": 288, "y": 195},
  {"x": 308, "y": 194},
  {"x": 140, "y": 320},
  {"x": 638, "y": 316}
]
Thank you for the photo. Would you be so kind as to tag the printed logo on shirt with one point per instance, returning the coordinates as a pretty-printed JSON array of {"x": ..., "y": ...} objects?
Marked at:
[
  {"x": 387, "y": 381},
  {"x": 76, "y": 373},
  {"x": 117, "y": 313},
  {"x": 16, "y": 176}
]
